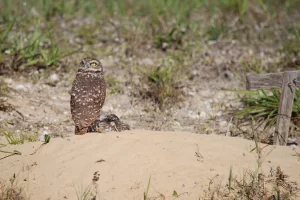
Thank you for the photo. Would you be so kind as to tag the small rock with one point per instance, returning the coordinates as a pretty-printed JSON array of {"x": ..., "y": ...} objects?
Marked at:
[
  {"x": 54, "y": 77},
  {"x": 21, "y": 88},
  {"x": 53, "y": 80},
  {"x": 223, "y": 123},
  {"x": 42, "y": 136},
  {"x": 203, "y": 115}
]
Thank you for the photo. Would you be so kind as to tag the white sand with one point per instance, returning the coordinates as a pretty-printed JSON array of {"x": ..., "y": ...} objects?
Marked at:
[{"x": 130, "y": 158}]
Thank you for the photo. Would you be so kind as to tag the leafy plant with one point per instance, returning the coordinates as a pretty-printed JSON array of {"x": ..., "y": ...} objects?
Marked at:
[
  {"x": 261, "y": 103},
  {"x": 47, "y": 138},
  {"x": 175, "y": 194}
]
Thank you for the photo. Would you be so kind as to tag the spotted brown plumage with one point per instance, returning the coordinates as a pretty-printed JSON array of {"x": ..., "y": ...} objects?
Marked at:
[
  {"x": 108, "y": 123},
  {"x": 87, "y": 94}
]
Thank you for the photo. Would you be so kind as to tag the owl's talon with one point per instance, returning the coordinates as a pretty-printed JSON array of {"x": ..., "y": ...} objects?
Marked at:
[
  {"x": 83, "y": 131},
  {"x": 100, "y": 130}
]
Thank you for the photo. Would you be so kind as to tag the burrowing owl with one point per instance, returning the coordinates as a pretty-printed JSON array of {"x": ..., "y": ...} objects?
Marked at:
[
  {"x": 108, "y": 123},
  {"x": 87, "y": 94}
]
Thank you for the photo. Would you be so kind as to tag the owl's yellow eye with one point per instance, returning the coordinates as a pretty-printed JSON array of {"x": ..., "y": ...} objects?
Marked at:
[{"x": 93, "y": 64}]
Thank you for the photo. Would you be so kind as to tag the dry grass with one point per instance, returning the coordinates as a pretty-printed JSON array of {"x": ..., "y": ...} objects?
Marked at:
[
  {"x": 254, "y": 184},
  {"x": 11, "y": 190}
]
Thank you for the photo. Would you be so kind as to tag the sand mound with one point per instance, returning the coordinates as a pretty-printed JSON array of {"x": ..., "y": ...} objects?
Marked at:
[{"x": 126, "y": 160}]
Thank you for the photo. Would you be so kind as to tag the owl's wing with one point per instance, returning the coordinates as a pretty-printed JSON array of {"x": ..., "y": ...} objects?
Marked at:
[{"x": 72, "y": 103}]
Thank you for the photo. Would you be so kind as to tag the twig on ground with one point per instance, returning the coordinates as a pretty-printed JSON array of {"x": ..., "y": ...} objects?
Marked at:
[{"x": 15, "y": 152}]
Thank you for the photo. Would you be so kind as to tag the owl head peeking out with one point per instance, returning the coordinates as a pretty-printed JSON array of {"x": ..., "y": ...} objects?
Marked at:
[{"x": 90, "y": 65}]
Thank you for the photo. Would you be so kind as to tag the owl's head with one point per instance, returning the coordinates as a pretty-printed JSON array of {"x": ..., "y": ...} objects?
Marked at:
[
  {"x": 90, "y": 65},
  {"x": 109, "y": 118}
]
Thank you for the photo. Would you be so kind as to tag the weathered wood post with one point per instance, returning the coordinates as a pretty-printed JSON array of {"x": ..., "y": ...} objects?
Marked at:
[{"x": 287, "y": 81}]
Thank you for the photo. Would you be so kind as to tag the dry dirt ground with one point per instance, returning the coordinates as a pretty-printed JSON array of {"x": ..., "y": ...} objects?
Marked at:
[{"x": 43, "y": 105}]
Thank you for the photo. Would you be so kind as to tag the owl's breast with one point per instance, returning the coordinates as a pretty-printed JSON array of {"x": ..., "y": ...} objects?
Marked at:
[{"x": 88, "y": 92}]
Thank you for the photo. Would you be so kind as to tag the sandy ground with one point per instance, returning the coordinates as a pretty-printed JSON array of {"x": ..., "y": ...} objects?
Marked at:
[{"x": 126, "y": 160}]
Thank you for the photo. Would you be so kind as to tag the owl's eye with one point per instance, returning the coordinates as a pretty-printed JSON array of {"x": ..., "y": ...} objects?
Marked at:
[{"x": 93, "y": 64}]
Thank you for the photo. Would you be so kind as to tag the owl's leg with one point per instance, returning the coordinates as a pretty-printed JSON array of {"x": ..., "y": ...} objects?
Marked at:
[
  {"x": 79, "y": 131},
  {"x": 83, "y": 131}
]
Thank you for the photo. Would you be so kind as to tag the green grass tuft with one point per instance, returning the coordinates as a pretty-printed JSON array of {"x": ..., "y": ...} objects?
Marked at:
[
  {"x": 263, "y": 104},
  {"x": 163, "y": 83},
  {"x": 20, "y": 139},
  {"x": 84, "y": 193}
]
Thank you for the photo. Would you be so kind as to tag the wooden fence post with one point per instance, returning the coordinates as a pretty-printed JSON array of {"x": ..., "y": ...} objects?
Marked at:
[
  {"x": 288, "y": 89},
  {"x": 287, "y": 81}
]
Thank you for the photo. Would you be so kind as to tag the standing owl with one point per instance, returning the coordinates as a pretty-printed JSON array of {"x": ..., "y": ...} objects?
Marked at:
[{"x": 87, "y": 94}]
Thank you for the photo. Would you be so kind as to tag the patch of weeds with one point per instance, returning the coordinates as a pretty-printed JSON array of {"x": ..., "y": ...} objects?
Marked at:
[
  {"x": 89, "y": 192},
  {"x": 252, "y": 66},
  {"x": 84, "y": 193},
  {"x": 5, "y": 32},
  {"x": 216, "y": 31},
  {"x": 88, "y": 33},
  {"x": 33, "y": 54},
  {"x": 292, "y": 46},
  {"x": 4, "y": 89},
  {"x": 53, "y": 8},
  {"x": 158, "y": 11},
  {"x": 18, "y": 139},
  {"x": 173, "y": 39},
  {"x": 253, "y": 184},
  {"x": 3, "y": 44},
  {"x": 35, "y": 49},
  {"x": 6, "y": 10},
  {"x": 11, "y": 191},
  {"x": 113, "y": 84},
  {"x": 162, "y": 83},
  {"x": 237, "y": 7},
  {"x": 51, "y": 56},
  {"x": 11, "y": 139},
  {"x": 261, "y": 103}
]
